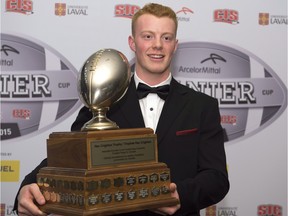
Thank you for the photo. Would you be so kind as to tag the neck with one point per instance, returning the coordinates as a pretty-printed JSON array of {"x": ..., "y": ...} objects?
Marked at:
[{"x": 153, "y": 79}]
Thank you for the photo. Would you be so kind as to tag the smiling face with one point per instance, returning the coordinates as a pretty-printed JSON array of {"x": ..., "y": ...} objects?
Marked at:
[{"x": 154, "y": 43}]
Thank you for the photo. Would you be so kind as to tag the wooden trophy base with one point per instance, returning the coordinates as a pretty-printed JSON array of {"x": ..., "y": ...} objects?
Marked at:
[{"x": 116, "y": 173}]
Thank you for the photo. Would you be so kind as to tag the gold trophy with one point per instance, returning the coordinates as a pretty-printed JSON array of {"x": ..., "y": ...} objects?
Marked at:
[{"x": 103, "y": 170}]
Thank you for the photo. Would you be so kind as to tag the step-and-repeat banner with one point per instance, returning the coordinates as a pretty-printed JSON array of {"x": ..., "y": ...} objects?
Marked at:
[{"x": 235, "y": 51}]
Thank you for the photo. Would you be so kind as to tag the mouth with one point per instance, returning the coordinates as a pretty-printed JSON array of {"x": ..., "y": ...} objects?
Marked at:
[{"x": 156, "y": 56}]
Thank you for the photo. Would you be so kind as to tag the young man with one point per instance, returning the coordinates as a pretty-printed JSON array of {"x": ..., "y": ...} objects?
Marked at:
[{"x": 187, "y": 123}]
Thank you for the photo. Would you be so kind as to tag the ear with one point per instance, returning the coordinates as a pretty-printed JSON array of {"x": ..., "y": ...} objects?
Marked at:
[
  {"x": 176, "y": 46},
  {"x": 132, "y": 43}
]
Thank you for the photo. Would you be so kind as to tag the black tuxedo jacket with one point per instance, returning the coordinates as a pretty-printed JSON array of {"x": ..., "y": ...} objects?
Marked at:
[{"x": 190, "y": 142}]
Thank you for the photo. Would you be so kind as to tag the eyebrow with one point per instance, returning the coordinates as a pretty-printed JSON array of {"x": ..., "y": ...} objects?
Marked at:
[{"x": 165, "y": 33}]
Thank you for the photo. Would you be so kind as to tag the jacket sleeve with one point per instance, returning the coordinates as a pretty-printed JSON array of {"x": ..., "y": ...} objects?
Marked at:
[{"x": 84, "y": 116}]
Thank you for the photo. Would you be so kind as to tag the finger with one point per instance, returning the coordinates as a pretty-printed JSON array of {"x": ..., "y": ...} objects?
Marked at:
[
  {"x": 29, "y": 208},
  {"x": 158, "y": 212},
  {"x": 26, "y": 205},
  {"x": 36, "y": 193},
  {"x": 170, "y": 209},
  {"x": 173, "y": 187},
  {"x": 166, "y": 210}
]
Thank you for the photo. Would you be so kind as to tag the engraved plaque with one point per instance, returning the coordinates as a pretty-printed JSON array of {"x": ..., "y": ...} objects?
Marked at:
[
  {"x": 143, "y": 179},
  {"x": 131, "y": 180},
  {"x": 93, "y": 199},
  {"x": 143, "y": 192},
  {"x": 119, "y": 196},
  {"x": 118, "y": 182},
  {"x": 154, "y": 177},
  {"x": 120, "y": 151},
  {"x": 155, "y": 191},
  {"x": 131, "y": 195}
]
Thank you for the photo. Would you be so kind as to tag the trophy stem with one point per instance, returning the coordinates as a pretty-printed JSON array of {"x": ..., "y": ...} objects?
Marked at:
[{"x": 99, "y": 121}]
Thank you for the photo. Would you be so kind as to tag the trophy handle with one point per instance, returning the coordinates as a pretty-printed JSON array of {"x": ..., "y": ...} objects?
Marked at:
[{"x": 99, "y": 121}]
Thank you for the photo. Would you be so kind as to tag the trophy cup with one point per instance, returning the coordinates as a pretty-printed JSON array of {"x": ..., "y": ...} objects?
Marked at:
[{"x": 103, "y": 170}]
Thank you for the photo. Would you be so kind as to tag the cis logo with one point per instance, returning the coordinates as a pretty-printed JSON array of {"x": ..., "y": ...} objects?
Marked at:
[
  {"x": 63, "y": 85},
  {"x": 267, "y": 92}
]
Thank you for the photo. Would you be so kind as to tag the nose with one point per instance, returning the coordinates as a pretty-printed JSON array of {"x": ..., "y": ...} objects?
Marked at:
[{"x": 157, "y": 44}]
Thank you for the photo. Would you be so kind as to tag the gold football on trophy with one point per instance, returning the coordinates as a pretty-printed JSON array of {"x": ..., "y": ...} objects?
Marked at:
[{"x": 103, "y": 79}]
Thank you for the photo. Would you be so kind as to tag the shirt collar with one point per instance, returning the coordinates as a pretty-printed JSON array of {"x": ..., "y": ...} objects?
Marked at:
[{"x": 165, "y": 82}]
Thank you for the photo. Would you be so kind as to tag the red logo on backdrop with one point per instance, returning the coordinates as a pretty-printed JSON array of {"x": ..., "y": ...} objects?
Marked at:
[
  {"x": 19, "y": 6},
  {"x": 21, "y": 113},
  {"x": 263, "y": 18},
  {"x": 229, "y": 119},
  {"x": 60, "y": 9},
  {"x": 126, "y": 10},
  {"x": 269, "y": 210},
  {"x": 226, "y": 16}
]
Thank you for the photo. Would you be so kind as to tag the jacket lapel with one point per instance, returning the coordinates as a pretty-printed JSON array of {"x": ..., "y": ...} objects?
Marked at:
[{"x": 174, "y": 104}]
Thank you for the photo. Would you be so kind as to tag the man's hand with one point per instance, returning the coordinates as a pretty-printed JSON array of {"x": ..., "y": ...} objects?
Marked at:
[
  {"x": 171, "y": 209},
  {"x": 28, "y": 196}
]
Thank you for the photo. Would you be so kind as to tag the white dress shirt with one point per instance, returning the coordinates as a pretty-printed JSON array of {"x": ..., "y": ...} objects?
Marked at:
[{"x": 151, "y": 106}]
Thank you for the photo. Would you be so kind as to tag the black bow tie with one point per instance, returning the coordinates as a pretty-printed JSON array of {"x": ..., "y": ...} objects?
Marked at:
[{"x": 143, "y": 90}]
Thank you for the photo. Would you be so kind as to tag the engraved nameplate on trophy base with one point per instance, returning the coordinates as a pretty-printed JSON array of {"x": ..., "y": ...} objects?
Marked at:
[{"x": 104, "y": 173}]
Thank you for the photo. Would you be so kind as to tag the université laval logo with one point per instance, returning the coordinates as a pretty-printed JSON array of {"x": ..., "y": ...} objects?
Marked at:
[{"x": 60, "y": 9}]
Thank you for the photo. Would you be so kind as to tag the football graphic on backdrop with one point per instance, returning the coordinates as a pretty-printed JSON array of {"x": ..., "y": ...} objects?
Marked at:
[
  {"x": 250, "y": 93},
  {"x": 38, "y": 87}
]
